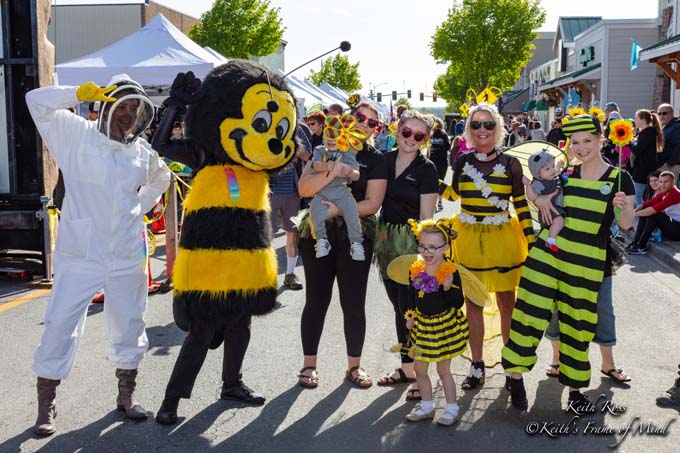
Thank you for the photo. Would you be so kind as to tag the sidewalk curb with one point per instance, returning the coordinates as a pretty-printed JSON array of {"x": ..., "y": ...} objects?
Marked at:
[
  {"x": 662, "y": 252},
  {"x": 667, "y": 255}
]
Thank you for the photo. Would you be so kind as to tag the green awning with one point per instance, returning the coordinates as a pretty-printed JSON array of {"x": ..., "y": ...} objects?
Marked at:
[
  {"x": 541, "y": 105},
  {"x": 531, "y": 105}
]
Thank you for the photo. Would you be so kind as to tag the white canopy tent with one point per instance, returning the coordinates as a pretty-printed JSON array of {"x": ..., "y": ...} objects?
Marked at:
[
  {"x": 333, "y": 91},
  {"x": 152, "y": 56},
  {"x": 338, "y": 93},
  {"x": 221, "y": 58},
  {"x": 330, "y": 99}
]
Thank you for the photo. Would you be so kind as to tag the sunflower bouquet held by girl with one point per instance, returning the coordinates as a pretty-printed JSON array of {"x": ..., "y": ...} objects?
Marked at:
[{"x": 438, "y": 328}]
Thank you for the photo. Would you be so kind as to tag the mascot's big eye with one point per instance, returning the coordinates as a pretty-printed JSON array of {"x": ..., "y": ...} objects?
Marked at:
[
  {"x": 282, "y": 128},
  {"x": 262, "y": 121}
]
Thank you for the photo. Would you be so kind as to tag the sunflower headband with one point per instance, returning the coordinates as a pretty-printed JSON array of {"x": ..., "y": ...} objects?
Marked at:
[
  {"x": 443, "y": 224},
  {"x": 353, "y": 101},
  {"x": 343, "y": 131},
  {"x": 582, "y": 123}
]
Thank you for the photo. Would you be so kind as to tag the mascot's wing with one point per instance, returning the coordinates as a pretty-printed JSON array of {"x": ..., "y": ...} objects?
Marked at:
[
  {"x": 526, "y": 149},
  {"x": 473, "y": 288}
]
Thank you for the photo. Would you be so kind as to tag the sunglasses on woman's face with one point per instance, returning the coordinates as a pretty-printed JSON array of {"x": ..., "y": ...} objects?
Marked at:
[
  {"x": 417, "y": 136},
  {"x": 370, "y": 121},
  {"x": 488, "y": 125}
]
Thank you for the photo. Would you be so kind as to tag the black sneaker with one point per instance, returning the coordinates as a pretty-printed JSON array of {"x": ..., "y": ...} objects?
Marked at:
[
  {"x": 518, "y": 395},
  {"x": 291, "y": 281},
  {"x": 669, "y": 401},
  {"x": 634, "y": 249},
  {"x": 578, "y": 400},
  {"x": 243, "y": 394}
]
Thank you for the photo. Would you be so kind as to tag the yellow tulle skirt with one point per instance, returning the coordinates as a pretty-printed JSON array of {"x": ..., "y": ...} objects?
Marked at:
[{"x": 494, "y": 253}]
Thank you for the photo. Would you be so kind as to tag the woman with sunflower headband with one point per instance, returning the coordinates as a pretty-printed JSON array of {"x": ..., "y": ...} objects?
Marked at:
[
  {"x": 352, "y": 276},
  {"x": 412, "y": 182},
  {"x": 437, "y": 327},
  {"x": 577, "y": 278},
  {"x": 492, "y": 242}
]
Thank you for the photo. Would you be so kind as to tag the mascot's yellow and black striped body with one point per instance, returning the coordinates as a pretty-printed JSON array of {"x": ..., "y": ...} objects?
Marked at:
[
  {"x": 241, "y": 126},
  {"x": 225, "y": 262}
]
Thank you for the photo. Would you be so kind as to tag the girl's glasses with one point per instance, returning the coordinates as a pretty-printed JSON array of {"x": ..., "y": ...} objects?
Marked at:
[{"x": 430, "y": 250}]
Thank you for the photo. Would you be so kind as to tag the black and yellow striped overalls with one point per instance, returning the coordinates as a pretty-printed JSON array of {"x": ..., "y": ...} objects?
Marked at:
[{"x": 570, "y": 277}]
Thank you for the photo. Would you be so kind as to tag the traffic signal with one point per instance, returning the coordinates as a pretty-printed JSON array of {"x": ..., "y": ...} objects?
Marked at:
[
  {"x": 422, "y": 96},
  {"x": 394, "y": 95},
  {"x": 434, "y": 96},
  {"x": 379, "y": 96},
  {"x": 408, "y": 94}
]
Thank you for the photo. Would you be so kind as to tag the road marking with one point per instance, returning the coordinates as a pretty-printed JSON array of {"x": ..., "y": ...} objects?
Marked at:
[{"x": 21, "y": 300}]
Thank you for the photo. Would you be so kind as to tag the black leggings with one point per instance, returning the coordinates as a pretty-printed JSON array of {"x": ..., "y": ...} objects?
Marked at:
[
  {"x": 398, "y": 295},
  {"x": 646, "y": 225},
  {"x": 320, "y": 273},
  {"x": 235, "y": 332}
]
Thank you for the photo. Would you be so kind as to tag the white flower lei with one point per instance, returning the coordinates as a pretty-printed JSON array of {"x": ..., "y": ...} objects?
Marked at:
[
  {"x": 467, "y": 218},
  {"x": 480, "y": 183}
]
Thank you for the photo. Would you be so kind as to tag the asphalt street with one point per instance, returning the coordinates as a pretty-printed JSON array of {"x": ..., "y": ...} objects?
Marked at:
[{"x": 336, "y": 416}]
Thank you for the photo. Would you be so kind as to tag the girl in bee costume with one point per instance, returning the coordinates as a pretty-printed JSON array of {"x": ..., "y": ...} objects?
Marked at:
[
  {"x": 240, "y": 125},
  {"x": 572, "y": 276}
]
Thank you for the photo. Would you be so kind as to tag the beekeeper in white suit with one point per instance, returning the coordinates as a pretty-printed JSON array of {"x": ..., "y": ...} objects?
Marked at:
[{"x": 112, "y": 178}]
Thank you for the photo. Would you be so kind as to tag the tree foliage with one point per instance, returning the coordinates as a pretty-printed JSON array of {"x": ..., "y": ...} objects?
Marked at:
[
  {"x": 485, "y": 43},
  {"x": 339, "y": 72},
  {"x": 239, "y": 28},
  {"x": 403, "y": 101}
]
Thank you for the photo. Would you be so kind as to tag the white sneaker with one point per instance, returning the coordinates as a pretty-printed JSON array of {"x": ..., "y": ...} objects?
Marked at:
[
  {"x": 323, "y": 248},
  {"x": 449, "y": 416},
  {"x": 357, "y": 251},
  {"x": 418, "y": 414}
]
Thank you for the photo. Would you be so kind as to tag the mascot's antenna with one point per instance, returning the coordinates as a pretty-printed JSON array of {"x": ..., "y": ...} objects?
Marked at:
[
  {"x": 345, "y": 46},
  {"x": 272, "y": 105}
]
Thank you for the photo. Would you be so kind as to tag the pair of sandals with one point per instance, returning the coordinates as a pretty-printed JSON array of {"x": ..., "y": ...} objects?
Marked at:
[
  {"x": 356, "y": 375},
  {"x": 615, "y": 374},
  {"x": 413, "y": 394}
]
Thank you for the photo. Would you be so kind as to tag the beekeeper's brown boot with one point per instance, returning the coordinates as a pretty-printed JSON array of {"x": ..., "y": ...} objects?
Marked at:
[
  {"x": 126, "y": 388},
  {"x": 47, "y": 411}
]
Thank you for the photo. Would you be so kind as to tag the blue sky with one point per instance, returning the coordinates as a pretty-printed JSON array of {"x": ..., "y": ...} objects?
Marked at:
[{"x": 390, "y": 39}]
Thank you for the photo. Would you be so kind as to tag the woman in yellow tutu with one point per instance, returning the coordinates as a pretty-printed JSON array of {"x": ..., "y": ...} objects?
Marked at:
[
  {"x": 438, "y": 328},
  {"x": 492, "y": 242}
]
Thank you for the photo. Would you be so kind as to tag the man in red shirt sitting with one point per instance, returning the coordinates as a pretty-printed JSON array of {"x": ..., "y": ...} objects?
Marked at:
[{"x": 662, "y": 211}]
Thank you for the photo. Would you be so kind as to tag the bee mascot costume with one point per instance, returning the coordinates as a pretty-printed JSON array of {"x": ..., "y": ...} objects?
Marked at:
[{"x": 240, "y": 126}]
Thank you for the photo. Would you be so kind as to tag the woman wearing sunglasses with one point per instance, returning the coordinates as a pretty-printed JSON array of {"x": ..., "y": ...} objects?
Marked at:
[
  {"x": 352, "y": 276},
  {"x": 412, "y": 190},
  {"x": 492, "y": 242}
]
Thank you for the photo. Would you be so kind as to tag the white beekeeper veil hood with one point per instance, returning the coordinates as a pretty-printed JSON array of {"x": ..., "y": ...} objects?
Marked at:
[{"x": 131, "y": 114}]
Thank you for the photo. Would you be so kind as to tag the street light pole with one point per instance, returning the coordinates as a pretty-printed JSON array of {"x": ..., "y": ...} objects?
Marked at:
[{"x": 375, "y": 87}]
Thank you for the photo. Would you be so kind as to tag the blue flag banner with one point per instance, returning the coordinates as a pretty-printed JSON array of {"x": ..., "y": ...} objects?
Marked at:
[
  {"x": 573, "y": 98},
  {"x": 635, "y": 55}
]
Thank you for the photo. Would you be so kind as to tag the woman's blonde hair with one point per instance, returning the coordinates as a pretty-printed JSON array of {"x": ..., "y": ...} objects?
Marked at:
[
  {"x": 499, "y": 131},
  {"x": 416, "y": 115}
]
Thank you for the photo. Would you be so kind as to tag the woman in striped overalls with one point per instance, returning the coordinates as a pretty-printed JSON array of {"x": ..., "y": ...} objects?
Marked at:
[{"x": 572, "y": 276}]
